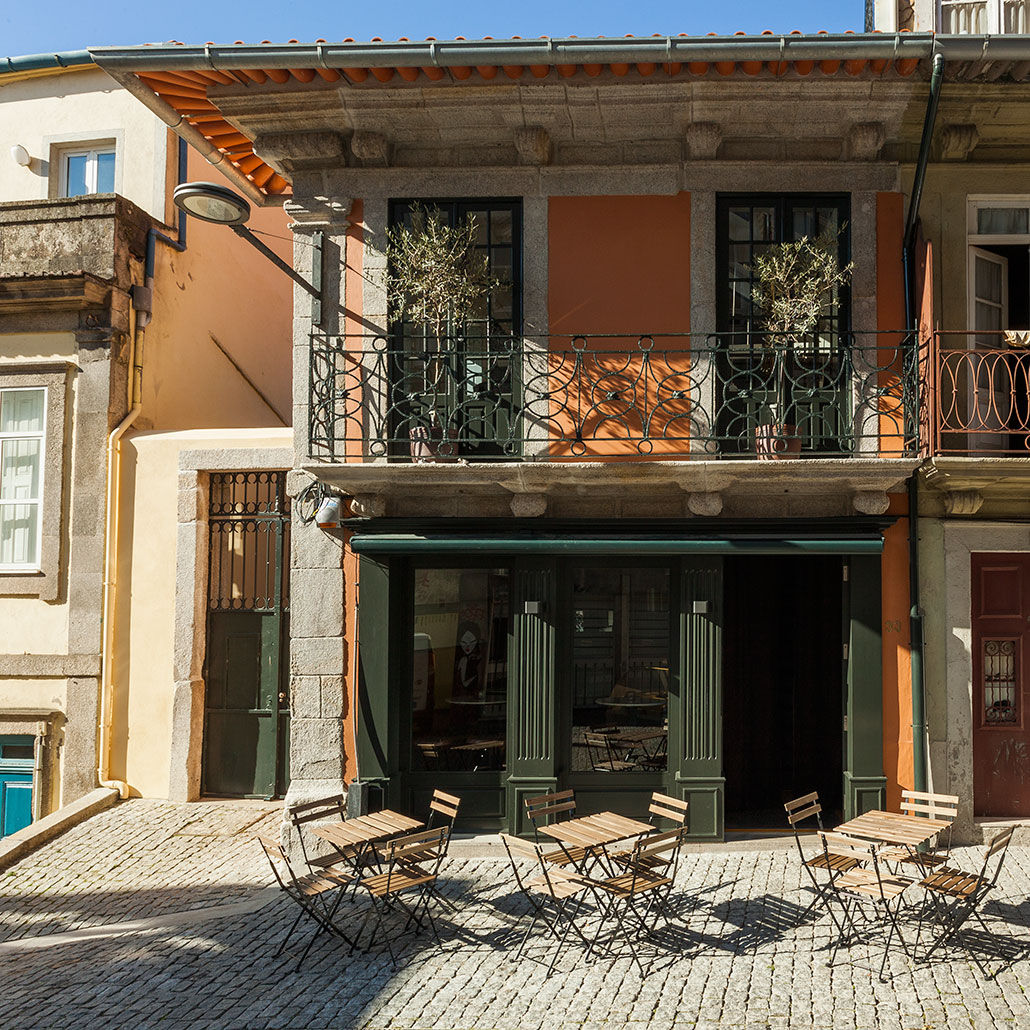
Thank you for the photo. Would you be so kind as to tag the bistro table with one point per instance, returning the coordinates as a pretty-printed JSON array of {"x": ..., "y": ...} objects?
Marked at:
[
  {"x": 907, "y": 831},
  {"x": 356, "y": 838},
  {"x": 590, "y": 834}
]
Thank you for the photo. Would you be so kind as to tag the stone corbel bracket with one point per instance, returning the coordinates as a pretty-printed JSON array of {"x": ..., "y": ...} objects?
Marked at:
[
  {"x": 533, "y": 145},
  {"x": 957, "y": 142},
  {"x": 370, "y": 148},
  {"x": 324, "y": 212},
  {"x": 707, "y": 504},
  {"x": 870, "y": 502},
  {"x": 368, "y": 506},
  {"x": 529, "y": 505},
  {"x": 702, "y": 139},
  {"x": 288, "y": 152},
  {"x": 963, "y": 502},
  {"x": 865, "y": 140}
]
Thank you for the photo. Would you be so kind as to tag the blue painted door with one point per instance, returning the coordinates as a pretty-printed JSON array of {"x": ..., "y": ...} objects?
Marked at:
[{"x": 16, "y": 765}]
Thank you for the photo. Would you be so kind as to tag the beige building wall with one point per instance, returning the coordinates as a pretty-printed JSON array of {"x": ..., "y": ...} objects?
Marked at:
[
  {"x": 45, "y": 112},
  {"x": 149, "y": 603}
]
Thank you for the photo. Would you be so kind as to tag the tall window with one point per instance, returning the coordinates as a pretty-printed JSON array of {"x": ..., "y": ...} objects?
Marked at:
[
  {"x": 795, "y": 385},
  {"x": 22, "y": 426},
  {"x": 454, "y": 397},
  {"x": 87, "y": 171}
]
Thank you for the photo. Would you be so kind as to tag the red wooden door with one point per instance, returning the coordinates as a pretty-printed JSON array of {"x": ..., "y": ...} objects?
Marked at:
[{"x": 1001, "y": 727}]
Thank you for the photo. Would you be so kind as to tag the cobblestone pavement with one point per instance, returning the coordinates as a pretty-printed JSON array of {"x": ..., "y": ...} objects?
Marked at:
[{"x": 742, "y": 959}]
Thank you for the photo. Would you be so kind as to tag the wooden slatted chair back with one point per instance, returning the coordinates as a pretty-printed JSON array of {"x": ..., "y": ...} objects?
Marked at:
[
  {"x": 323, "y": 809},
  {"x": 542, "y": 808},
  {"x": 659, "y": 849},
  {"x": 665, "y": 807},
  {"x": 930, "y": 806},
  {"x": 519, "y": 848},
  {"x": 444, "y": 807},
  {"x": 278, "y": 860},
  {"x": 846, "y": 847},
  {"x": 420, "y": 852},
  {"x": 996, "y": 851},
  {"x": 802, "y": 808}
]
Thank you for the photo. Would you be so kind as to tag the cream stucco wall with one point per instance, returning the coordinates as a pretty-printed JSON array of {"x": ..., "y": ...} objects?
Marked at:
[
  {"x": 145, "y": 625},
  {"x": 43, "y": 111}
]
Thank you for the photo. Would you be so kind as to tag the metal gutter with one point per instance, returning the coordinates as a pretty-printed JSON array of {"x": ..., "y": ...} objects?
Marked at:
[
  {"x": 601, "y": 50},
  {"x": 44, "y": 62},
  {"x": 186, "y": 131}
]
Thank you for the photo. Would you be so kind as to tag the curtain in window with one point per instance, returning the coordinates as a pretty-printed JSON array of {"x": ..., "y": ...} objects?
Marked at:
[{"x": 21, "y": 451}]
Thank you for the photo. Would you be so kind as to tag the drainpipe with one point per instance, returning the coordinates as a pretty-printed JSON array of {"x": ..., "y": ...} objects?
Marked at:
[
  {"x": 142, "y": 309},
  {"x": 915, "y": 615}
]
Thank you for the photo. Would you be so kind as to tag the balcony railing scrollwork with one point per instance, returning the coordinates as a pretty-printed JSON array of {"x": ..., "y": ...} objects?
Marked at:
[{"x": 661, "y": 396}]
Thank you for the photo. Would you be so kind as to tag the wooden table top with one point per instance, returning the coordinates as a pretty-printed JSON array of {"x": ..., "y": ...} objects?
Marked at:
[
  {"x": 595, "y": 831},
  {"x": 893, "y": 828},
  {"x": 366, "y": 829}
]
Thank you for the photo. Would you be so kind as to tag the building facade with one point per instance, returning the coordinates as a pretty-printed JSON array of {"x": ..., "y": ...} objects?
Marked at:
[
  {"x": 118, "y": 355},
  {"x": 605, "y": 537}
]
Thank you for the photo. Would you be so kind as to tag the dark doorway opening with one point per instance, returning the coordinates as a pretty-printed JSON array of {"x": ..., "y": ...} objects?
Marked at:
[{"x": 783, "y": 692}]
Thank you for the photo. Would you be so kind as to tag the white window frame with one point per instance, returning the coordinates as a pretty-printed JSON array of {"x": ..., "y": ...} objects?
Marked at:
[
  {"x": 35, "y": 565},
  {"x": 92, "y": 166}
]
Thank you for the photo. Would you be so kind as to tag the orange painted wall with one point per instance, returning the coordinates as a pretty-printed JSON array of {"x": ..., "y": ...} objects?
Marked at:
[
  {"x": 890, "y": 315},
  {"x": 620, "y": 265},
  {"x": 897, "y": 668}
]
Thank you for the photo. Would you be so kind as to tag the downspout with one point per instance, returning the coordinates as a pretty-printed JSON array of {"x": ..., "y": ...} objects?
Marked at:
[
  {"x": 915, "y": 615},
  {"x": 142, "y": 309}
]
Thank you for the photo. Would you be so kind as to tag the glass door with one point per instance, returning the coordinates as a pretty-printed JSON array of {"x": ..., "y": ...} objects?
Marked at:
[
  {"x": 459, "y": 689},
  {"x": 615, "y": 689}
]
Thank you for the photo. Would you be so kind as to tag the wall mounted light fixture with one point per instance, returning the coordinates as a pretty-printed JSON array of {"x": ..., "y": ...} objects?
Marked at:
[
  {"x": 20, "y": 156},
  {"x": 213, "y": 203}
]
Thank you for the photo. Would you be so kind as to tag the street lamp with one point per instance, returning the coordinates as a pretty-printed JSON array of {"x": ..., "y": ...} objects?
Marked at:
[{"x": 219, "y": 204}]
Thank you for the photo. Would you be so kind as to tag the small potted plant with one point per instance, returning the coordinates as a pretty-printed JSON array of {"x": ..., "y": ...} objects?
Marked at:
[
  {"x": 435, "y": 276},
  {"x": 795, "y": 283}
]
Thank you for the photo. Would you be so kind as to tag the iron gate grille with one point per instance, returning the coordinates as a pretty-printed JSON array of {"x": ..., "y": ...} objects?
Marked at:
[{"x": 249, "y": 546}]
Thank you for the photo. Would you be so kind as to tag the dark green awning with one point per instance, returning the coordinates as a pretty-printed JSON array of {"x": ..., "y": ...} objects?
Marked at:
[{"x": 442, "y": 543}]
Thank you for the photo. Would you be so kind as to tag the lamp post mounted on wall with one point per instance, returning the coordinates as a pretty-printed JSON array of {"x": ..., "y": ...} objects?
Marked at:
[{"x": 213, "y": 203}]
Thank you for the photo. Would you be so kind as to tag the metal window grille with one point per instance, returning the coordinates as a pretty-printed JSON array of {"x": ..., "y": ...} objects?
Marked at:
[
  {"x": 1000, "y": 681},
  {"x": 248, "y": 522}
]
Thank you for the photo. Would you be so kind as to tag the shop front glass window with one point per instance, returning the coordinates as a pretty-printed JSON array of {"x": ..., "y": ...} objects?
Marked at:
[
  {"x": 620, "y": 670},
  {"x": 460, "y": 669}
]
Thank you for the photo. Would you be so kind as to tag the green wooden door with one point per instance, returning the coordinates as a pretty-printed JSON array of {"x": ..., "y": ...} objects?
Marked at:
[{"x": 246, "y": 703}]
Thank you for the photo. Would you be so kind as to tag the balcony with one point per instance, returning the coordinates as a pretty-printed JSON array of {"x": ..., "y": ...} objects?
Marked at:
[
  {"x": 979, "y": 17},
  {"x": 680, "y": 398},
  {"x": 981, "y": 394}
]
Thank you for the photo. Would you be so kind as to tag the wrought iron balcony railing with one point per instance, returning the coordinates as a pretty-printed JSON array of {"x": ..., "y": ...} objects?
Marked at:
[
  {"x": 552, "y": 398},
  {"x": 981, "y": 390}
]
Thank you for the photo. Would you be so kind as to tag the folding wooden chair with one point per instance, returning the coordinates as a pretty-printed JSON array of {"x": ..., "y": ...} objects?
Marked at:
[
  {"x": 331, "y": 809},
  {"x": 954, "y": 896},
  {"x": 554, "y": 895},
  {"x": 412, "y": 866},
  {"x": 443, "y": 811},
  {"x": 928, "y": 806},
  {"x": 646, "y": 884},
  {"x": 863, "y": 884},
  {"x": 311, "y": 892},
  {"x": 604, "y": 756},
  {"x": 663, "y": 808},
  {"x": 540, "y": 810},
  {"x": 798, "y": 811}
]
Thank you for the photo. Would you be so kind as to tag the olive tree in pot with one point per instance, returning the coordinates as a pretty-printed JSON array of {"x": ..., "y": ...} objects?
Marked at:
[
  {"x": 795, "y": 285},
  {"x": 435, "y": 277}
]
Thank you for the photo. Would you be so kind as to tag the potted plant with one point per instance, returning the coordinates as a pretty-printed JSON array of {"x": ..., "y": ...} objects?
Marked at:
[
  {"x": 435, "y": 276},
  {"x": 795, "y": 283}
]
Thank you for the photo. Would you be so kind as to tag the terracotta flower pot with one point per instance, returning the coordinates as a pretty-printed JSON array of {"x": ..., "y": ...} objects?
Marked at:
[{"x": 773, "y": 442}]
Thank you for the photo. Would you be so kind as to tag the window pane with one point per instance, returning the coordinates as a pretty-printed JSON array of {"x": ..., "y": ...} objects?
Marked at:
[
  {"x": 620, "y": 669},
  {"x": 21, "y": 411},
  {"x": 19, "y": 533},
  {"x": 460, "y": 669},
  {"x": 740, "y": 223},
  {"x": 804, "y": 222},
  {"x": 75, "y": 172},
  {"x": 500, "y": 227},
  {"x": 765, "y": 224},
  {"x": 999, "y": 221},
  {"x": 105, "y": 172},
  {"x": 19, "y": 470}
]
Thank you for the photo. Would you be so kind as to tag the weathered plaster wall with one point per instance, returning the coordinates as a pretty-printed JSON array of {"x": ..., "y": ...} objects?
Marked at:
[
  {"x": 85, "y": 104},
  {"x": 222, "y": 316},
  {"x": 145, "y": 633}
]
